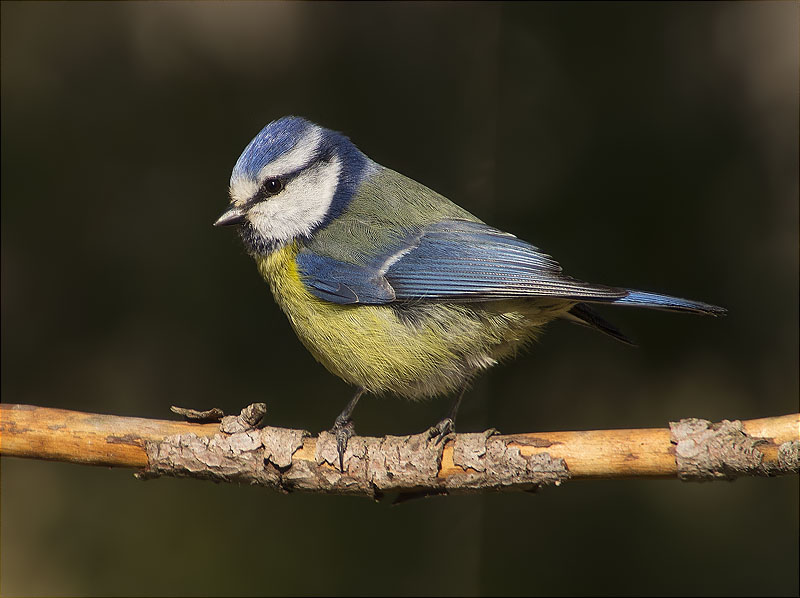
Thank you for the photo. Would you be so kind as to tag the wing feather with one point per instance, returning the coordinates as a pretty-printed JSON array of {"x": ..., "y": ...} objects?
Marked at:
[
  {"x": 451, "y": 260},
  {"x": 459, "y": 260}
]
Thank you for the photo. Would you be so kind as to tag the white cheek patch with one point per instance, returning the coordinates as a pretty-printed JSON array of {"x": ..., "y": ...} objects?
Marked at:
[
  {"x": 301, "y": 206},
  {"x": 243, "y": 187}
]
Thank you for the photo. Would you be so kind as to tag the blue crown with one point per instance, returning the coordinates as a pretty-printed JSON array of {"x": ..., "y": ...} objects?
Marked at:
[{"x": 274, "y": 140}]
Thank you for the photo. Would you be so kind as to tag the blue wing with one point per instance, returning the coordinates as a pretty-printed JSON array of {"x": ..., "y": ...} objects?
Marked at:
[
  {"x": 340, "y": 282},
  {"x": 452, "y": 260},
  {"x": 459, "y": 260}
]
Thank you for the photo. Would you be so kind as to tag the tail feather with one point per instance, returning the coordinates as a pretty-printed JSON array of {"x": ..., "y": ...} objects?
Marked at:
[
  {"x": 665, "y": 302},
  {"x": 583, "y": 314}
]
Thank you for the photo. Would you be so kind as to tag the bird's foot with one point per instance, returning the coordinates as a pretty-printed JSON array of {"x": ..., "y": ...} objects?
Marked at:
[
  {"x": 439, "y": 432},
  {"x": 343, "y": 430}
]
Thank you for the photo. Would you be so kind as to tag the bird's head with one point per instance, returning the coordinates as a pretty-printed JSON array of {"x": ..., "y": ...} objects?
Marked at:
[{"x": 292, "y": 179}]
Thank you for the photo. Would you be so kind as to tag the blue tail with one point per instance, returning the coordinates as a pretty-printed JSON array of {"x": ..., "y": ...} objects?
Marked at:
[
  {"x": 665, "y": 302},
  {"x": 581, "y": 313}
]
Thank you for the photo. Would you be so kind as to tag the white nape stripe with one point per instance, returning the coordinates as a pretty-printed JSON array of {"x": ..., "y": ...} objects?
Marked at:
[
  {"x": 243, "y": 188},
  {"x": 302, "y": 205}
]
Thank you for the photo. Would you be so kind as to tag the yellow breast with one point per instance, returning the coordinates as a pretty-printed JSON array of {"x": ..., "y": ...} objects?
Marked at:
[{"x": 372, "y": 347}]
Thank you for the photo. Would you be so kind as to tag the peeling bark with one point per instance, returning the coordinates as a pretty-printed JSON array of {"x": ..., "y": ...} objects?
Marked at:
[
  {"x": 286, "y": 460},
  {"x": 707, "y": 451},
  {"x": 373, "y": 466}
]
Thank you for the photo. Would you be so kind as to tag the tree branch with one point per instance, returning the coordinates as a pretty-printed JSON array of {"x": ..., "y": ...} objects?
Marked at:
[{"x": 289, "y": 460}]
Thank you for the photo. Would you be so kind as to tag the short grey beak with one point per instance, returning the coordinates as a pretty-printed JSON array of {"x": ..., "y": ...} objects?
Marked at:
[{"x": 232, "y": 215}]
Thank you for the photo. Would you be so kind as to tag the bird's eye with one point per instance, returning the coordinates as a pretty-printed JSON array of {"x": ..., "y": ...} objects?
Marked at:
[{"x": 273, "y": 186}]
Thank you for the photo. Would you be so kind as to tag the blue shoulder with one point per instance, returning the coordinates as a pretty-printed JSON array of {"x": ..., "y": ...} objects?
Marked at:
[{"x": 340, "y": 282}]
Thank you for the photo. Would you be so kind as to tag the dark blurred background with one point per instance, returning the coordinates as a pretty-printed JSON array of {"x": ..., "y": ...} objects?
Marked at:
[{"x": 647, "y": 145}]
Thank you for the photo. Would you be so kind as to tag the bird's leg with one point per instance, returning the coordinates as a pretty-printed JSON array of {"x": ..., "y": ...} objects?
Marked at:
[
  {"x": 448, "y": 424},
  {"x": 343, "y": 428}
]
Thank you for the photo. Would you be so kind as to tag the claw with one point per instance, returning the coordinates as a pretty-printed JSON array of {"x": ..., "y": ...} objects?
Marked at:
[
  {"x": 343, "y": 430},
  {"x": 439, "y": 432}
]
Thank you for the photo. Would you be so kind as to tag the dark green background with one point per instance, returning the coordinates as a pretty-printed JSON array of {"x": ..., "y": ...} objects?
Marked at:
[{"x": 647, "y": 145}]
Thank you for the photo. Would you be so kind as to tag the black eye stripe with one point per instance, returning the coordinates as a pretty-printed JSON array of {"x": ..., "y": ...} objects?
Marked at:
[{"x": 274, "y": 185}]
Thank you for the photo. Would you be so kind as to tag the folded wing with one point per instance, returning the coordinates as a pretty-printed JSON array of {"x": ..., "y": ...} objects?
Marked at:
[{"x": 451, "y": 260}]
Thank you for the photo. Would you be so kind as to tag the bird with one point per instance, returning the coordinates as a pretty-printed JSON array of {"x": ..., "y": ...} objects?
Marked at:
[{"x": 391, "y": 286}]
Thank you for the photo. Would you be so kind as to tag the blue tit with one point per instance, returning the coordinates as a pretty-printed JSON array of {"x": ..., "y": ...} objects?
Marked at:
[{"x": 391, "y": 286}]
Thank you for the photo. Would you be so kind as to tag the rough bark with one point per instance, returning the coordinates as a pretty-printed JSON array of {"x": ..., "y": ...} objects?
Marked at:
[{"x": 286, "y": 460}]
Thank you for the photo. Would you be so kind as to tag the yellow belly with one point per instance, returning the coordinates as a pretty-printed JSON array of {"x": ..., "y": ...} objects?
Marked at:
[{"x": 383, "y": 350}]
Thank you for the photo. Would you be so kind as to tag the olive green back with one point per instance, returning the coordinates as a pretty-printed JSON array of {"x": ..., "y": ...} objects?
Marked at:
[{"x": 386, "y": 209}]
